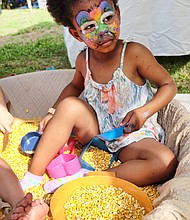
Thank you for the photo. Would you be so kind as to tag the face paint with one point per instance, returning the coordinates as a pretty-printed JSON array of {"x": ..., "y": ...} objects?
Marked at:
[{"x": 99, "y": 25}]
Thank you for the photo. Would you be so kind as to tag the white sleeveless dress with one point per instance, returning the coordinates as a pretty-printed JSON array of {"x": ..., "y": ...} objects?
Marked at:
[{"x": 112, "y": 101}]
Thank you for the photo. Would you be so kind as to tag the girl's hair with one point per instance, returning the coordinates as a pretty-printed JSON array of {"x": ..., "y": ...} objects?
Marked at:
[{"x": 62, "y": 10}]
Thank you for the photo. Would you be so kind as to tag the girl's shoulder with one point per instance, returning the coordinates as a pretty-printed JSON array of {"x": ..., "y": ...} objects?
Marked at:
[
  {"x": 136, "y": 51},
  {"x": 80, "y": 63},
  {"x": 135, "y": 48},
  {"x": 81, "y": 58}
]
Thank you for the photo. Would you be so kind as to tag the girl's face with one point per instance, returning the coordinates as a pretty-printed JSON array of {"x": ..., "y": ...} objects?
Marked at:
[{"x": 97, "y": 24}]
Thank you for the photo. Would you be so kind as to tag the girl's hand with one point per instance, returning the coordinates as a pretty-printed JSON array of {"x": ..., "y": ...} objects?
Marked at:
[
  {"x": 134, "y": 120},
  {"x": 6, "y": 121},
  {"x": 43, "y": 123}
]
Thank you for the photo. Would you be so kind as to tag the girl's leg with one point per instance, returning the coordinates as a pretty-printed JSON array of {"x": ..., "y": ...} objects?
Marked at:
[
  {"x": 71, "y": 114},
  {"x": 10, "y": 188},
  {"x": 146, "y": 162}
]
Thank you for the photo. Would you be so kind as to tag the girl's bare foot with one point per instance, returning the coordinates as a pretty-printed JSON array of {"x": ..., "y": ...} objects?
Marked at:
[{"x": 27, "y": 209}]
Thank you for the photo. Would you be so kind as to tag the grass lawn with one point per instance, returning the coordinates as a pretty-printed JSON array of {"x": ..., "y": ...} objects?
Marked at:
[
  {"x": 31, "y": 41},
  {"x": 15, "y": 21}
]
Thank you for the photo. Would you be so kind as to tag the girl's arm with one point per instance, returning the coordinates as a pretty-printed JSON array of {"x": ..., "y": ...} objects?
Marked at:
[
  {"x": 6, "y": 119},
  {"x": 74, "y": 88},
  {"x": 148, "y": 68}
]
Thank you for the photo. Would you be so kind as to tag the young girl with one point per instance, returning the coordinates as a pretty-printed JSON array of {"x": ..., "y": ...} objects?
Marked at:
[{"x": 113, "y": 74}]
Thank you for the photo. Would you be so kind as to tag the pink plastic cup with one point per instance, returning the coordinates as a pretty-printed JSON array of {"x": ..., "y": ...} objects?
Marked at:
[
  {"x": 69, "y": 146},
  {"x": 63, "y": 165}
]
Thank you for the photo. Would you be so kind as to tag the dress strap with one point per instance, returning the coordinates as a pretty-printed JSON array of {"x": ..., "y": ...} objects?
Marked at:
[
  {"x": 125, "y": 41},
  {"x": 87, "y": 57},
  {"x": 88, "y": 72},
  {"x": 123, "y": 54}
]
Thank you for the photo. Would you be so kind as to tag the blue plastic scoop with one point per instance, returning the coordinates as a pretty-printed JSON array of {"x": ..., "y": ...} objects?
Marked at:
[{"x": 112, "y": 134}]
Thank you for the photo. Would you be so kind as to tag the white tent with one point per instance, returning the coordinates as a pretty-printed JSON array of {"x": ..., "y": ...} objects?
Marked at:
[{"x": 162, "y": 26}]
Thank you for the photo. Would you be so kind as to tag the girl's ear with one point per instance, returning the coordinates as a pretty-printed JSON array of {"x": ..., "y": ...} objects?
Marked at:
[
  {"x": 75, "y": 34},
  {"x": 118, "y": 14}
]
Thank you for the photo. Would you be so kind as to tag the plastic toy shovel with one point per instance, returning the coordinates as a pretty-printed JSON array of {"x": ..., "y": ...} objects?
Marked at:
[{"x": 112, "y": 134}]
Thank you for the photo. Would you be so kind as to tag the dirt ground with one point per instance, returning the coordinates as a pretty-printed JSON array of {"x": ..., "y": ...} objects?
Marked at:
[{"x": 31, "y": 36}]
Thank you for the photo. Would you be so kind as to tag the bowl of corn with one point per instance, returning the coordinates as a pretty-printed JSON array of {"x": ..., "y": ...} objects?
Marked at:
[
  {"x": 100, "y": 195},
  {"x": 29, "y": 142},
  {"x": 95, "y": 151}
]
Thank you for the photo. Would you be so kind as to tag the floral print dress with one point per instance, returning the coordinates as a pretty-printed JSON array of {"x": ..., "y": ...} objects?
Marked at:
[{"x": 112, "y": 101}]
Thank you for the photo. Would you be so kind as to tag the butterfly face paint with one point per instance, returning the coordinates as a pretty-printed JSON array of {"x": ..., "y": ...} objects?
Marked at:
[{"x": 99, "y": 25}]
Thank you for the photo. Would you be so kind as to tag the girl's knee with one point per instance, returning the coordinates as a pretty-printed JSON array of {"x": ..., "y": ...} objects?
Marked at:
[
  {"x": 167, "y": 164},
  {"x": 172, "y": 164},
  {"x": 70, "y": 102},
  {"x": 169, "y": 158},
  {"x": 72, "y": 105}
]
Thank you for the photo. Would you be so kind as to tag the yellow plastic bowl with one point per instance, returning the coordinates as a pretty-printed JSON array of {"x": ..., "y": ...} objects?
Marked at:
[{"x": 61, "y": 196}]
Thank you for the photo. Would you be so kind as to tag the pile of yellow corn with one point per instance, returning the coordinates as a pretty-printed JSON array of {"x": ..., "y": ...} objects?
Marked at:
[
  {"x": 98, "y": 159},
  {"x": 19, "y": 162},
  {"x": 102, "y": 202}
]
